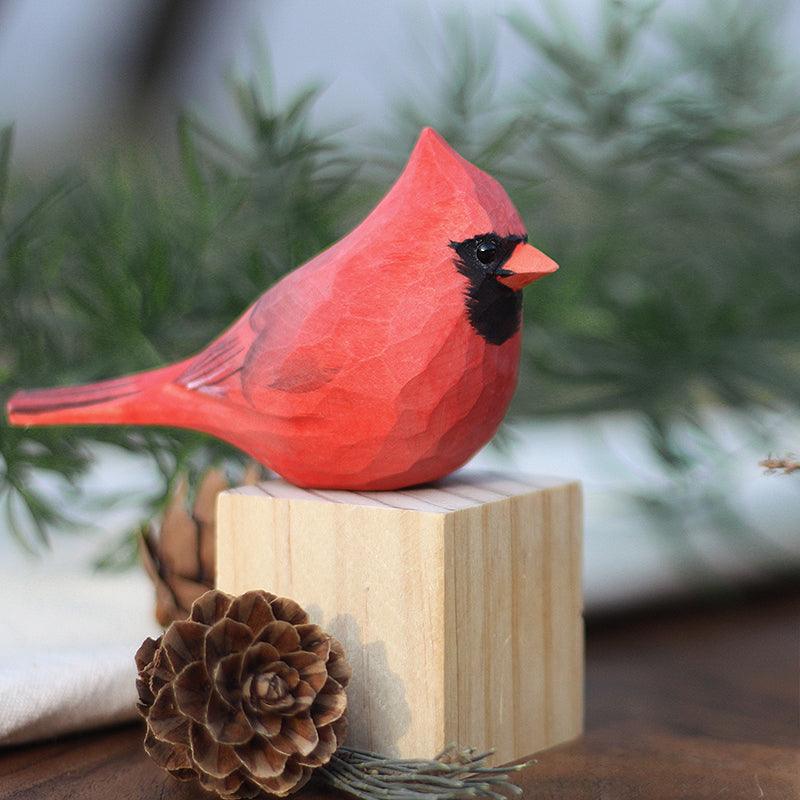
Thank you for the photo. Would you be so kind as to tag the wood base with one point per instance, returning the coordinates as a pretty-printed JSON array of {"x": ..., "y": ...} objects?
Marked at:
[{"x": 458, "y": 604}]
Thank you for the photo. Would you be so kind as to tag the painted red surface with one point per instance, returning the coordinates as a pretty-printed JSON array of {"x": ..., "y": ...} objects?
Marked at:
[{"x": 360, "y": 369}]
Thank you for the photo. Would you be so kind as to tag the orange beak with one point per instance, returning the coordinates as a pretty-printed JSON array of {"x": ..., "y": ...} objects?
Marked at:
[{"x": 526, "y": 265}]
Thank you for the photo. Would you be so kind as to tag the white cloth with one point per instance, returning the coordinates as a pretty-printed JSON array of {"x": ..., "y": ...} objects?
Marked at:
[
  {"x": 67, "y": 644},
  {"x": 68, "y": 634}
]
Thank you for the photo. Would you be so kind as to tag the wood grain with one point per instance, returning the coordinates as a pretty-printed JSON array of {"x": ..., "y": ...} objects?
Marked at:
[
  {"x": 459, "y": 604},
  {"x": 689, "y": 704}
]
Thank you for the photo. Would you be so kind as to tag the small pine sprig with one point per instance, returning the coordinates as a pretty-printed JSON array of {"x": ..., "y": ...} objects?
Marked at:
[
  {"x": 786, "y": 465},
  {"x": 455, "y": 773}
]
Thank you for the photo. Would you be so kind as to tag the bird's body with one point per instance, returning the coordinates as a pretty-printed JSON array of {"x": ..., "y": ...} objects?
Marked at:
[{"x": 385, "y": 361}]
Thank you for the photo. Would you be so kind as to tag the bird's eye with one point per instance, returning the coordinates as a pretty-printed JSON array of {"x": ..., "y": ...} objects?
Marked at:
[{"x": 486, "y": 251}]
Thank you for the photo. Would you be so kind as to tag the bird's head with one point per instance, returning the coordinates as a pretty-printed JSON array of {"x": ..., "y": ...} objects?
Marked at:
[{"x": 465, "y": 217}]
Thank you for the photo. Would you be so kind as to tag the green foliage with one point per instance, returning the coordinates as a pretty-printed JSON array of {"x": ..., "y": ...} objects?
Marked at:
[
  {"x": 679, "y": 180},
  {"x": 134, "y": 263},
  {"x": 658, "y": 163},
  {"x": 656, "y": 160}
]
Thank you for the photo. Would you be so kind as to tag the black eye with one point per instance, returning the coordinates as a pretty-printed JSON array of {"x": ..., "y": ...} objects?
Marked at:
[{"x": 486, "y": 251}]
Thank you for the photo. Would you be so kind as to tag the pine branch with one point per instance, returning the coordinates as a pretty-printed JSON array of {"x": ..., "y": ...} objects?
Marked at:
[
  {"x": 786, "y": 465},
  {"x": 454, "y": 774}
]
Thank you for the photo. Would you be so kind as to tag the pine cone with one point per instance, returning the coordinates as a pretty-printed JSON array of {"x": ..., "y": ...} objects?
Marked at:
[
  {"x": 246, "y": 695},
  {"x": 180, "y": 561}
]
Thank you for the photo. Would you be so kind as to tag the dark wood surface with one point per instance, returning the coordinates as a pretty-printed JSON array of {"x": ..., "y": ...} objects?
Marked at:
[{"x": 692, "y": 704}]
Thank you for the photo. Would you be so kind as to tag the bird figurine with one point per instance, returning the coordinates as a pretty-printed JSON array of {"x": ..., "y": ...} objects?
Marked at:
[{"x": 385, "y": 361}]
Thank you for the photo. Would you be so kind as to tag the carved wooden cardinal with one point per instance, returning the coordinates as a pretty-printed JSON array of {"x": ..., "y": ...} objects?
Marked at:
[{"x": 386, "y": 361}]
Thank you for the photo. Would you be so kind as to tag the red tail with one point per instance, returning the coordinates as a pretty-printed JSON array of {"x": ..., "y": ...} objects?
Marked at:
[{"x": 120, "y": 401}]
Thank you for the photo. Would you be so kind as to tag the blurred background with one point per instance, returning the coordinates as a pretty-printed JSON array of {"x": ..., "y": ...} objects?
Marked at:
[{"x": 165, "y": 161}]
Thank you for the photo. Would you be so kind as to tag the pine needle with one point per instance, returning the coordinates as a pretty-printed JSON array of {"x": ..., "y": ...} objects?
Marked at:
[{"x": 455, "y": 773}]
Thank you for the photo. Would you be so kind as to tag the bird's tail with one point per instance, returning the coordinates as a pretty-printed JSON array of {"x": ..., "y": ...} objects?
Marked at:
[{"x": 132, "y": 400}]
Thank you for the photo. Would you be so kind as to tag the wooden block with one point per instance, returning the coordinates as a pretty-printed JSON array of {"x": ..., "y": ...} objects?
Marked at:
[{"x": 459, "y": 604}]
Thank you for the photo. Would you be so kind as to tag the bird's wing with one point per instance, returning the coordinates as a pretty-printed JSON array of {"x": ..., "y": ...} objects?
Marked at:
[
  {"x": 214, "y": 371},
  {"x": 295, "y": 351},
  {"x": 278, "y": 346}
]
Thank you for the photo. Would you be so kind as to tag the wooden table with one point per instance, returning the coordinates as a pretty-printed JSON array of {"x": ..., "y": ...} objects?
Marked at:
[{"x": 694, "y": 703}]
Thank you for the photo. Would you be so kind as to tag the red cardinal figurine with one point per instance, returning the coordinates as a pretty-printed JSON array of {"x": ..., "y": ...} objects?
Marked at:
[{"x": 385, "y": 361}]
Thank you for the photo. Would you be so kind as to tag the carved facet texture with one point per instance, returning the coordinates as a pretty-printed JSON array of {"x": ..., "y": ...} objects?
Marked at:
[
  {"x": 386, "y": 361},
  {"x": 246, "y": 695}
]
